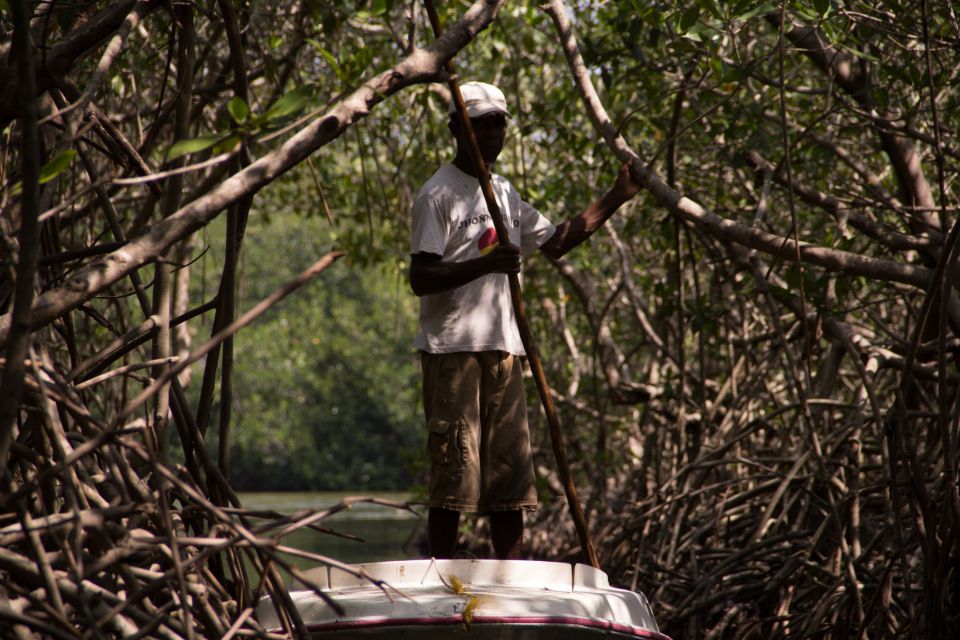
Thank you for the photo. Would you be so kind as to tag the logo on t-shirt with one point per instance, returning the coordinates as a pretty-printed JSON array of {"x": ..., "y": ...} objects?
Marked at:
[{"x": 487, "y": 241}]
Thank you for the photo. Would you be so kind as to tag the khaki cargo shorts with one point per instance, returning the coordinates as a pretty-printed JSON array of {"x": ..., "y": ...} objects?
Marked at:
[{"x": 478, "y": 440}]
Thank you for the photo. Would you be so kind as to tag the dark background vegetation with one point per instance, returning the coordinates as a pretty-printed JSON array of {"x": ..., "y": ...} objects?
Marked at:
[{"x": 327, "y": 388}]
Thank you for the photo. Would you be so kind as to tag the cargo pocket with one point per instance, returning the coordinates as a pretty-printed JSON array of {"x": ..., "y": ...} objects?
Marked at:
[{"x": 446, "y": 445}]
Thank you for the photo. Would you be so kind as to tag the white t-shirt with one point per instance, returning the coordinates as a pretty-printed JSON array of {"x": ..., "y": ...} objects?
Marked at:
[{"x": 450, "y": 219}]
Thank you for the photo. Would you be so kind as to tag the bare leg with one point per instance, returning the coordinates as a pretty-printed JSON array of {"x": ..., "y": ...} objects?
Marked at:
[
  {"x": 443, "y": 525},
  {"x": 506, "y": 534}
]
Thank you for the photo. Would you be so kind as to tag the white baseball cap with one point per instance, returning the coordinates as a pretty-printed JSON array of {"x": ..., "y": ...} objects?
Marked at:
[{"x": 480, "y": 99}]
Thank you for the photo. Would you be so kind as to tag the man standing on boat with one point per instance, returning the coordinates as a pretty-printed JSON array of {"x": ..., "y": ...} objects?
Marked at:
[{"x": 470, "y": 348}]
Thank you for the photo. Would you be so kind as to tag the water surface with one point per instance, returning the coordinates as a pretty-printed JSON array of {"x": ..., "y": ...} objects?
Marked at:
[{"x": 383, "y": 533}]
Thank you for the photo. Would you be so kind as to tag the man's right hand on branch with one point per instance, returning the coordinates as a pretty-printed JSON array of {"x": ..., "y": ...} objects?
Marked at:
[
  {"x": 503, "y": 259},
  {"x": 429, "y": 274}
]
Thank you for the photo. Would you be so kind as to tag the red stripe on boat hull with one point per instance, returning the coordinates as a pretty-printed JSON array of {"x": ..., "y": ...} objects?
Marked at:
[{"x": 570, "y": 621}]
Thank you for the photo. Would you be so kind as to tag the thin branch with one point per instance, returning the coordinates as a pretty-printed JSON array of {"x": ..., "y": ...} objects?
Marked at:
[
  {"x": 18, "y": 342},
  {"x": 231, "y": 329}
]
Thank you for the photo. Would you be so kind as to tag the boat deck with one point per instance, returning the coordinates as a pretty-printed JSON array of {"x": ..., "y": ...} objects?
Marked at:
[{"x": 502, "y": 599}]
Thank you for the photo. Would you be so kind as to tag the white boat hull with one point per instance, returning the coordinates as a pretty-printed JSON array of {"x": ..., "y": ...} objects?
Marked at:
[{"x": 487, "y": 599}]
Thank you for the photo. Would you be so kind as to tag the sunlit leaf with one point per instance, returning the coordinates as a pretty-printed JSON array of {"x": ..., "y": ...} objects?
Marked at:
[
  {"x": 700, "y": 32},
  {"x": 193, "y": 145},
  {"x": 329, "y": 57},
  {"x": 238, "y": 109},
  {"x": 57, "y": 166},
  {"x": 761, "y": 9},
  {"x": 289, "y": 104}
]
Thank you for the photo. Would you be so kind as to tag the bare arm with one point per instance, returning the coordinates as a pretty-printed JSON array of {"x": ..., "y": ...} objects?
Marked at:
[
  {"x": 430, "y": 274},
  {"x": 572, "y": 232}
]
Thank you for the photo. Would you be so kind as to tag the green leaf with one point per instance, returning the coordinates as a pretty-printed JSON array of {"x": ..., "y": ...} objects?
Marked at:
[
  {"x": 688, "y": 19},
  {"x": 330, "y": 58},
  {"x": 193, "y": 145},
  {"x": 761, "y": 9},
  {"x": 56, "y": 166},
  {"x": 226, "y": 144},
  {"x": 289, "y": 104},
  {"x": 862, "y": 54},
  {"x": 48, "y": 171},
  {"x": 238, "y": 109},
  {"x": 701, "y": 32},
  {"x": 807, "y": 14},
  {"x": 713, "y": 8},
  {"x": 822, "y": 7}
]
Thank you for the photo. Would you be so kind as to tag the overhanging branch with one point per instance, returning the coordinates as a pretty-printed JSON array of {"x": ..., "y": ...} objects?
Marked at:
[
  {"x": 423, "y": 65},
  {"x": 711, "y": 223}
]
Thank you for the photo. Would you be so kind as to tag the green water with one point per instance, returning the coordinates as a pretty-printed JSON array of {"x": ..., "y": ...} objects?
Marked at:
[{"x": 384, "y": 533}]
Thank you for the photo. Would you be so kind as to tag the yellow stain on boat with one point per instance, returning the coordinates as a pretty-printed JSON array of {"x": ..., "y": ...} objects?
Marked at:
[
  {"x": 472, "y": 601},
  {"x": 456, "y": 586}
]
